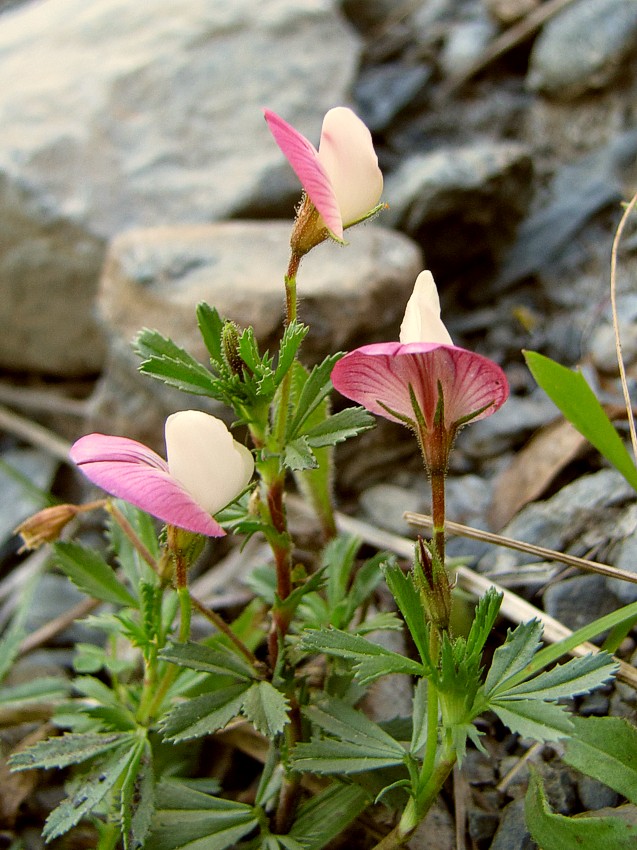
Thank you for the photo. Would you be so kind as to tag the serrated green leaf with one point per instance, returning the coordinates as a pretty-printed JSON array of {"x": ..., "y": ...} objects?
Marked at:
[
  {"x": 340, "y": 757},
  {"x": 92, "y": 791},
  {"x": 339, "y": 719},
  {"x": 408, "y": 600},
  {"x": 606, "y": 749},
  {"x": 67, "y": 750},
  {"x": 315, "y": 389},
  {"x": 204, "y": 714},
  {"x": 210, "y": 326},
  {"x": 557, "y": 832},
  {"x": 531, "y": 718},
  {"x": 298, "y": 455},
  {"x": 419, "y": 717},
  {"x": 167, "y": 362},
  {"x": 49, "y": 689},
  {"x": 370, "y": 659},
  {"x": 266, "y": 708},
  {"x": 90, "y": 573},
  {"x": 218, "y": 659},
  {"x": 293, "y": 336},
  {"x": 570, "y": 392},
  {"x": 577, "y": 676},
  {"x": 512, "y": 657},
  {"x": 323, "y": 817},
  {"x": 186, "y": 819},
  {"x": 339, "y": 427},
  {"x": 137, "y": 798},
  {"x": 484, "y": 618}
]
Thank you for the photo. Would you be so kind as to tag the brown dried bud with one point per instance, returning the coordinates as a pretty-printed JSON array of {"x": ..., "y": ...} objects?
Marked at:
[{"x": 45, "y": 526}]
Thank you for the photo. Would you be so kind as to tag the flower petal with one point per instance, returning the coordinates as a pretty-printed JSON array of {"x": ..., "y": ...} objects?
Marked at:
[
  {"x": 202, "y": 455},
  {"x": 346, "y": 152},
  {"x": 422, "y": 322},
  {"x": 304, "y": 159},
  {"x": 131, "y": 471},
  {"x": 379, "y": 376}
]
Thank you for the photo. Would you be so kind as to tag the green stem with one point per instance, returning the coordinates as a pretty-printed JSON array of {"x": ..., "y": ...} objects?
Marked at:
[
  {"x": 220, "y": 624},
  {"x": 129, "y": 531}
]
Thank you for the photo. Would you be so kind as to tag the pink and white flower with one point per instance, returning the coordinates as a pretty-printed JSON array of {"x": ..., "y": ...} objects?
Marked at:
[
  {"x": 342, "y": 178},
  {"x": 206, "y": 469},
  {"x": 424, "y": 381}
]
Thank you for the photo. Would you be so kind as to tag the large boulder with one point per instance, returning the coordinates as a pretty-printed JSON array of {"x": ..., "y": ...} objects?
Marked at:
[{"x": 117, "y": 114}]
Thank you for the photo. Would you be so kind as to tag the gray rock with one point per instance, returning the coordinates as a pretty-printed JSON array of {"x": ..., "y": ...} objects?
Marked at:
[
  {"x": 155, "y": 278},
  {"x": 512, "y": 833},
  {"x": 595, "y": 795},
  {"x": 385, "y": 504},
  {"x": 465, "y": 42},
  {"x": 578, "y": 601},
  {"x": 471, "y": 195},
  {"x": 518, "y": 417},
  {"x": 583, "y": 48},
  {"x": 33, "y": 472},
  {"x": 576, "y": 192},
  {"x": 601, "y": 345},
  {"x": 624, "y": 556},
  {"x": 113, "y": 117},
  {"x": 54, "y": 595},
  {"x": 576, "y": 518},
  {"x": 383, "y": 91}
]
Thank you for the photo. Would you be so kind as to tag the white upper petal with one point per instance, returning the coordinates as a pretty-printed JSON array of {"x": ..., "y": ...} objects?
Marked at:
[
  {"x": 422, "y": 322},
  {"x": 346, "y": 152},
  {"x": 203, "y": 456}
]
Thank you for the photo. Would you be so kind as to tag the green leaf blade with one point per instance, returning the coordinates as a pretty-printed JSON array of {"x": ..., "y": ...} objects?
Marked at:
[
  {"x": 557, "y": 832},
  {"x": 571, "y": 393},
  {"x": 91, "y": 574},
  {"x": 606, "y": 749}
]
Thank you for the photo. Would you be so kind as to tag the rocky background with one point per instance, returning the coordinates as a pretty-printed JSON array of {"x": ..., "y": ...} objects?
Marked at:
[{"x": 138, "y": 177}]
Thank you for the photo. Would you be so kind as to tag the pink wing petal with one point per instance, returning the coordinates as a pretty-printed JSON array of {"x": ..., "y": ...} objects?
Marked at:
[
  {"x": 379, "y": 377},
  {"x": 131, "y": 471},
  {"x": 303, "y": 157}
]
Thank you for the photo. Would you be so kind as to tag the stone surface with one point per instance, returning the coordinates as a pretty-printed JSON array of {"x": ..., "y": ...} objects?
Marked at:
[
  {"x": 584, "y": 47},
  {"x": 471, "y": 195},
  {"x": 579, "y": 518},
  {"x": 155, "y": 277},
  {"x": 113, "y": 117},
  {"x": 27, "y": 471}
]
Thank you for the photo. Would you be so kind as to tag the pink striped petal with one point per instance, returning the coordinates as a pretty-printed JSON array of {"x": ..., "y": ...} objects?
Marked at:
[
  {"x": 304, "y": 159},
  {"x": 379, "y": 377},
  {"x": 131, "y": 471},
  {"x": 346, "y": 152}
]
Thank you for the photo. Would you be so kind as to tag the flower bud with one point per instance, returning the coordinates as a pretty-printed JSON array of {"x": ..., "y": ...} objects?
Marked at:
[
  {"x": 45, "y": 526},
  {"x": 433, "y": 581},
  {"x": 230, "y": 345}
]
